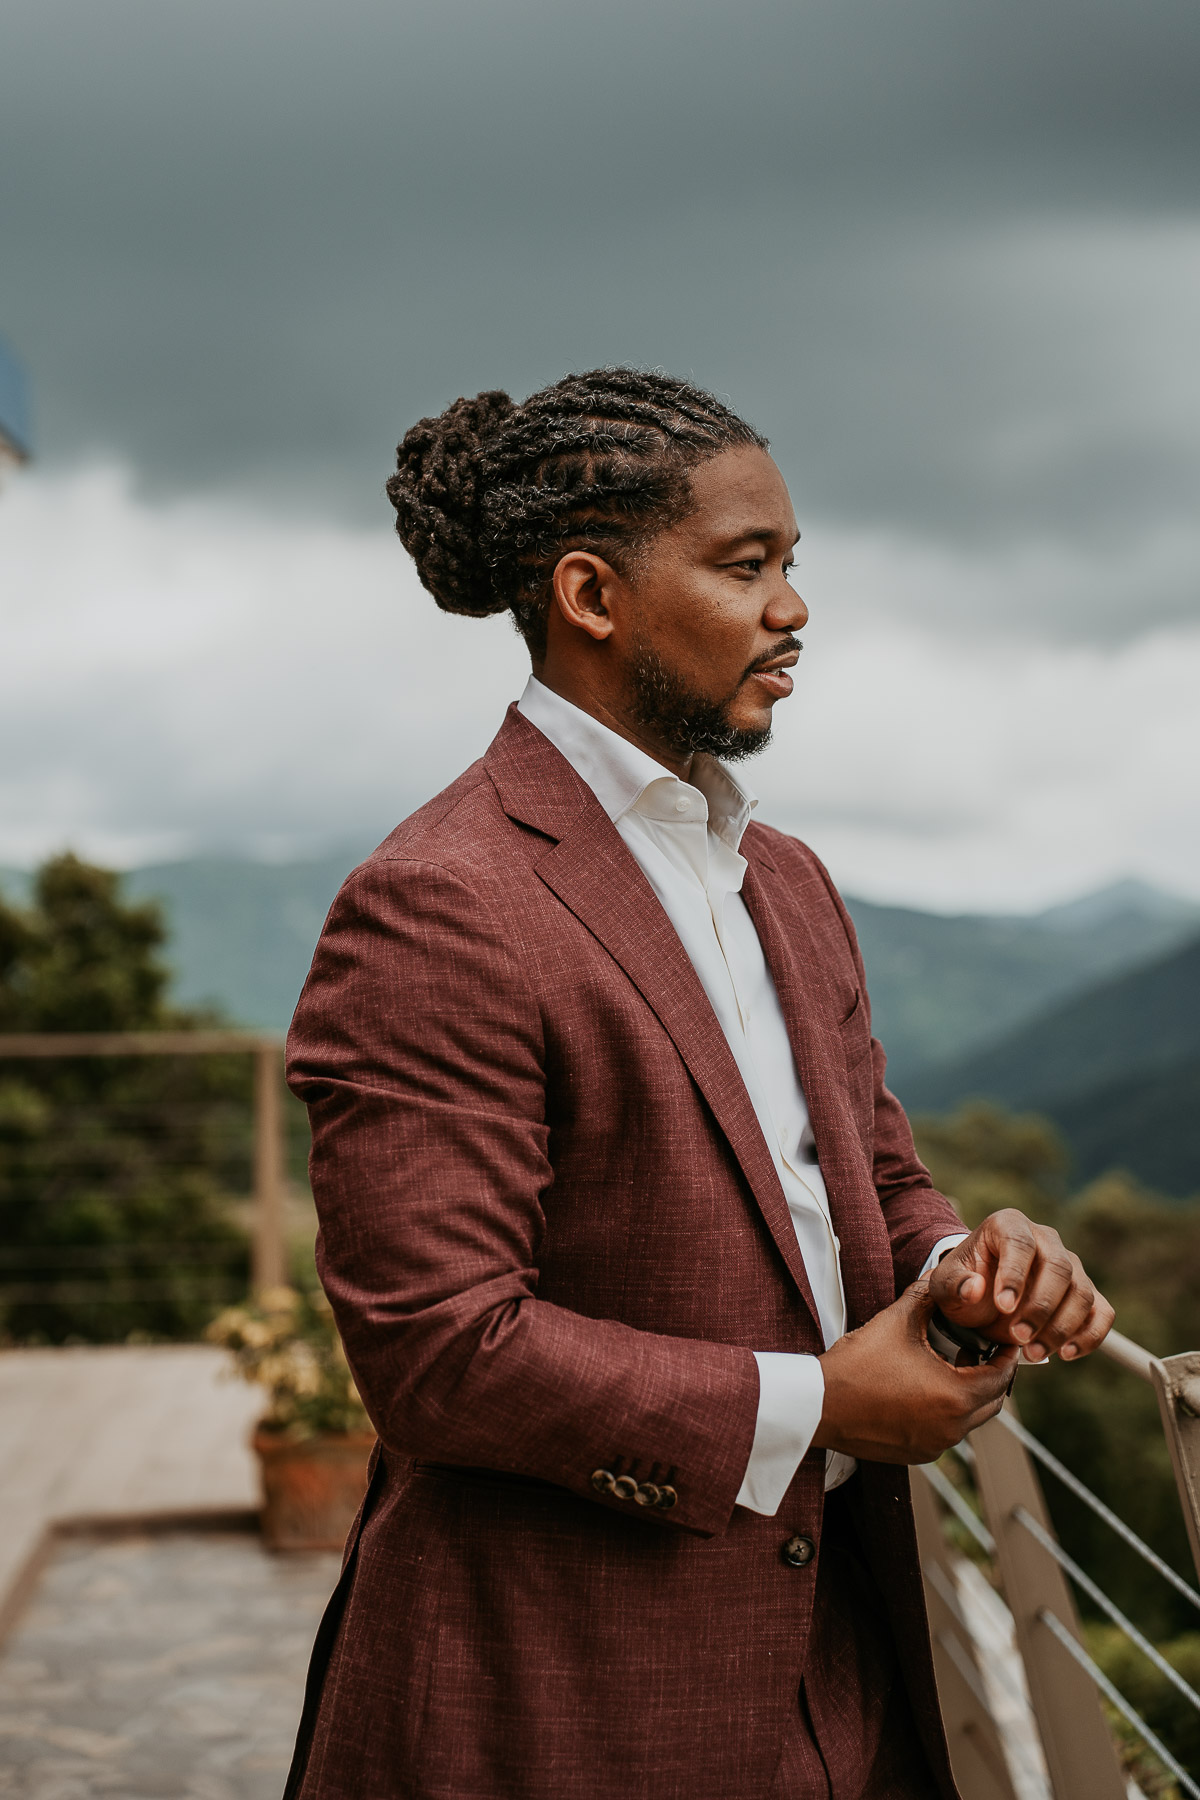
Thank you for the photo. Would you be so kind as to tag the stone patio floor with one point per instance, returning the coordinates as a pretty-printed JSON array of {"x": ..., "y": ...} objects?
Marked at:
[{"x": 164, "y": 1665}]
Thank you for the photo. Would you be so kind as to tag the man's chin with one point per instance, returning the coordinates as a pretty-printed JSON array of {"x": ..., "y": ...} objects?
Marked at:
[
  {"x": 688, "y": 722},
  {"x": 737, "y": 743}
]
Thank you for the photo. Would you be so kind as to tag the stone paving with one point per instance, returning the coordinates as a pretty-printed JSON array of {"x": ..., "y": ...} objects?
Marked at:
[{"x": 159, "y": 1666}]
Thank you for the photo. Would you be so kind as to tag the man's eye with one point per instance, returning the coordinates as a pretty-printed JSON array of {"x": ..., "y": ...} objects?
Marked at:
[
  {"x": 789, "y": 569},
  {"x": 752, "y": 562}
]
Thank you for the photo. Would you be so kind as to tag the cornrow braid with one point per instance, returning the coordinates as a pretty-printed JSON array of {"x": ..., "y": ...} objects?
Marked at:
[{"x": 490, "y": 494}]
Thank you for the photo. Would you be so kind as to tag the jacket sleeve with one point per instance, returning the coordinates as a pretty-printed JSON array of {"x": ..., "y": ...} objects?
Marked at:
[
  {"x": 417, "y": 1047},
  {"x": 917, "y": 1216}
]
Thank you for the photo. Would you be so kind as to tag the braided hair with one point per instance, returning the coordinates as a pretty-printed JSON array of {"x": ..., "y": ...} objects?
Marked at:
[{"x": 490, "y": 494}]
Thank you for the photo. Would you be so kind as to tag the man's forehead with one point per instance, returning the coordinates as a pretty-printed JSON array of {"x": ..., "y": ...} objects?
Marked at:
[{"x": 741, "y": 496}]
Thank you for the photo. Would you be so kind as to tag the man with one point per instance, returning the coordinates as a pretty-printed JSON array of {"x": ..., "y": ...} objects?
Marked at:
[{"x": 627, "y": 1240}]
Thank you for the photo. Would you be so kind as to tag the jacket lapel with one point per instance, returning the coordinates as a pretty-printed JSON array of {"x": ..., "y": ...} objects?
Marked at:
[
  {"x": 592, "y": 872},
  {"x": 810, "y": 1014}
]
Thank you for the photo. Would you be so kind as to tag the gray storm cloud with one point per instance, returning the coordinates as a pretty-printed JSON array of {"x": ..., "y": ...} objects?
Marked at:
[{"x": 947, "y": 257}]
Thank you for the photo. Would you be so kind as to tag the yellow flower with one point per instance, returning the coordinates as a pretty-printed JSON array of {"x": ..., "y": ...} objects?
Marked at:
[{"x": 278, "y": 1300}]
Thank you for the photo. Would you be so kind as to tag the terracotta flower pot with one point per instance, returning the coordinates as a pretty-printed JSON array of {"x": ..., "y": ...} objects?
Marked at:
[{"x": 311, "y": 1488}]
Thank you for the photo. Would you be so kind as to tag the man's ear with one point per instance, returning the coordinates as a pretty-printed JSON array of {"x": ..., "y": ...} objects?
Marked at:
[{"x": 583, "y": 592}]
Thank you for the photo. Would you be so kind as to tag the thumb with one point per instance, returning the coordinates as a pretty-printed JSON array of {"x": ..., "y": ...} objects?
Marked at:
[
  {"x": 964, "y": 1273},
  {"x": 991, "y": 1379},
  {"x": 916, "y": 1305}
]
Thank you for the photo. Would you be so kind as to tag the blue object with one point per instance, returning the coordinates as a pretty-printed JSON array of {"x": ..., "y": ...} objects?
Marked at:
[{"x": 15, "y": 422}]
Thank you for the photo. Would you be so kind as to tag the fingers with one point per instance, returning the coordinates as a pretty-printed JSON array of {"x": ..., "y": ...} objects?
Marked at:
[
  {"x": 1014, "y": 1246},
  {"x": 1051, "y": 1282},
  {"x": 1071, "y": 1315},
  {"x": 1093, "y": 1332}
]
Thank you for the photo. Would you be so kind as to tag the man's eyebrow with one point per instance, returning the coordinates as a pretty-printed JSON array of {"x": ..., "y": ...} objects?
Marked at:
[{"x": 759, "y": 534}]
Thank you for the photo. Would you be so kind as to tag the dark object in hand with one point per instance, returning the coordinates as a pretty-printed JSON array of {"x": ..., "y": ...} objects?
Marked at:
[{"x": 958, "y": 1344}]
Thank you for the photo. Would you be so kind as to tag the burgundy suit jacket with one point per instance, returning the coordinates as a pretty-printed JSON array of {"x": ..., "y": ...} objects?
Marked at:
[{"x": 553, "y": 1236}]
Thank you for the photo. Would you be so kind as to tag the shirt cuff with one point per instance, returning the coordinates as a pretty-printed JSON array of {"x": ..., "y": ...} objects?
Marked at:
[
  {"x": 791, "y": 1395},
  {"x": 939, "y": 1250}
]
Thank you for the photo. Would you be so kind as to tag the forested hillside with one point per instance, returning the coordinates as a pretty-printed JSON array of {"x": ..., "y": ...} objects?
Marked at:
[
  {"x": 242, "y": 935},
  {"x": 1073, "y": 1012},
  {"x": 1117, "y": 1069},
  {"x": 944, "y": 987}
]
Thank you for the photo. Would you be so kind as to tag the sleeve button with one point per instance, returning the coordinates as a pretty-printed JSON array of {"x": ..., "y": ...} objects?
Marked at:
[
  {"x": 625, "y": 1488},
  {"x": 797, "y": 1551},
  {"x": 603, "y": 1481},
  {"x": 666, "y": 1498},
  {"x": 647, "y": 1494}
]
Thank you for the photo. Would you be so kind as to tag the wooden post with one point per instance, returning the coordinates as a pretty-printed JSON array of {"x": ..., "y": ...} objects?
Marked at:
[
  {"x": 1079, "y": 1750},
  {"x": 270, "y": 1249},
  {"x": 976, "y": 1754},
  {"x": 1176, "y": 1381}
]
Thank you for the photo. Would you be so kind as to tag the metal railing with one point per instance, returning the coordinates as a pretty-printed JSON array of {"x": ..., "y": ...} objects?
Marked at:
[
  {"x": 1063, "y": 1682},
  {"x": 269, "y": 1260}
]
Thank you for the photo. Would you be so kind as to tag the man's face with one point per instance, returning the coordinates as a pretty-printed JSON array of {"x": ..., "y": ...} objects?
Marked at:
[{"x": 706, "y": 635}]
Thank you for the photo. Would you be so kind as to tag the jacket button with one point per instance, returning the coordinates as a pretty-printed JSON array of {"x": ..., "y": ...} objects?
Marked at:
[
  {"x": 603, "y": 1481},
  {"x": 625, "y": 1488},
  {"x": 666, "y": 1498},
  {"x": 797, "y": 1551},
  {"x": 647, "y": 1494}
]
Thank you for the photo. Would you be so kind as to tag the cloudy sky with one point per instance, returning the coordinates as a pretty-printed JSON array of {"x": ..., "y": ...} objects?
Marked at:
[{"x": 946, "y": 256}]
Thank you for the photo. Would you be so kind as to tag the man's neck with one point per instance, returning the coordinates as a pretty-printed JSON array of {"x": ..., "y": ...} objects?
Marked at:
[{"x": 610, "y": 713}]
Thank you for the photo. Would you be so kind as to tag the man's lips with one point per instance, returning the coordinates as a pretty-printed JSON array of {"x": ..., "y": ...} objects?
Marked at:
[{"x": 772, "y": 674}]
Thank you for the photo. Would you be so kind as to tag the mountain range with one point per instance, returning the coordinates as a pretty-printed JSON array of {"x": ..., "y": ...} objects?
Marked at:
[
  {"x": 1116, "y": 1068},
  {"x": 1087, "y": 1012}
]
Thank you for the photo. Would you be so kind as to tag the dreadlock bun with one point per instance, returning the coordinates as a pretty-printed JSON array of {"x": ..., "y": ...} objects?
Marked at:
[
  {"x": 437, "y": 491},
  {"x": 489, "y": 494}
]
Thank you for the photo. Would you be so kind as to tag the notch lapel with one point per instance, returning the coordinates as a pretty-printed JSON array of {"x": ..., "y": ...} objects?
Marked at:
[{"x": 592, "y": 872}]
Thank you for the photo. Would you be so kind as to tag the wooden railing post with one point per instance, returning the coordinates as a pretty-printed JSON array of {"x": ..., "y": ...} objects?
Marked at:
[
  {"x": 976, "y": 1753},
  {"x": 270, "y": 1249},
  {"x": 1079, "y": 1749},
  {"x": 1176, "y": 1381}
]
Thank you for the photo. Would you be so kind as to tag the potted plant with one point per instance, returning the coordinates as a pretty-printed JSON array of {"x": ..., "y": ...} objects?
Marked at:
[{"x": 314, "y": 1439}]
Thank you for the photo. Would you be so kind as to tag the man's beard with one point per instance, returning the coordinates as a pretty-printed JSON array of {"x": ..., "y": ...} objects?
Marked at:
[{"x": 686, "y": 721}]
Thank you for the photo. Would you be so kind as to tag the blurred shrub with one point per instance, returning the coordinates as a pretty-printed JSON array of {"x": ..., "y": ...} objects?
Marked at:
[{"x": 114, "y": 1171}]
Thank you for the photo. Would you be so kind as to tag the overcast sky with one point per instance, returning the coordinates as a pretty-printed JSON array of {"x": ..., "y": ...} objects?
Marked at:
[{"x": 946, "y": 256}]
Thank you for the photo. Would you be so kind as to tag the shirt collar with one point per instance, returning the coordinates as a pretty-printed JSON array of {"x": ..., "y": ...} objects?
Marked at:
[{"x": 620, "y": 775}]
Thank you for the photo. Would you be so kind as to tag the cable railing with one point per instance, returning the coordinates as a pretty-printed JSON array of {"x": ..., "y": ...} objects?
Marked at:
[
  {"x": 1013, "y": 1531},
  {"x": 95, "y": 1161}
]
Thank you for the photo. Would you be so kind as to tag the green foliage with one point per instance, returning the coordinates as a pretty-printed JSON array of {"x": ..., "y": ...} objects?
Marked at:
[
  {"x": 287, "y": 1343},
  {"x": 1164, "y": 1709},
  {"x": 986, "y": 1159},
  {"x": 113, "y": 1170}
]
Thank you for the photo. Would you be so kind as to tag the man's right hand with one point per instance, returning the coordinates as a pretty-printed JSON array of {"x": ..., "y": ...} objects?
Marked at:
[{"x": 889, "y": 1397}]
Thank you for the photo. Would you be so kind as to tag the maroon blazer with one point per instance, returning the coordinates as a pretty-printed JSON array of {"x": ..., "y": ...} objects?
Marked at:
[{"x": 553, "y": 1236}]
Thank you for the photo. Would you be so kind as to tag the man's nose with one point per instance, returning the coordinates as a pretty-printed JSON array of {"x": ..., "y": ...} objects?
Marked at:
[{"x": 785, "y": 611}]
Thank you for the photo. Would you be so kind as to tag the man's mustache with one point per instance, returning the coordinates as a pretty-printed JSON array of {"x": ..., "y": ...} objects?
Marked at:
[{"x": 782, "y": 648}]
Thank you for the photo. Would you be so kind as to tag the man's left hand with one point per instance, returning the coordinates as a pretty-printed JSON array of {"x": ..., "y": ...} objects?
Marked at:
[{"x": 1017, "y": 1282}]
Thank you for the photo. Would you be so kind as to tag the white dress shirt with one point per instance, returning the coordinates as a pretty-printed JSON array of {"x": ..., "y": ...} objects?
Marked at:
[{"x": 685, "y": 836}]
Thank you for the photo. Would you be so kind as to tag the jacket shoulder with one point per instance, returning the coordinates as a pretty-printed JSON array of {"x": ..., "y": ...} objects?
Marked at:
[{"x": 463, "y": 830}]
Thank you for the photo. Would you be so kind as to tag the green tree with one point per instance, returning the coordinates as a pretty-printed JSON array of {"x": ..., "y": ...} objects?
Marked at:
[
  {"x": 986, "y": 1159},
  {"x": 113, "y": 1170}
]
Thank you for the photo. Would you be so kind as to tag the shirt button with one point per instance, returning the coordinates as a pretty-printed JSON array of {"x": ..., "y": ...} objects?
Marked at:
[{"x": 682, "y": 804}]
